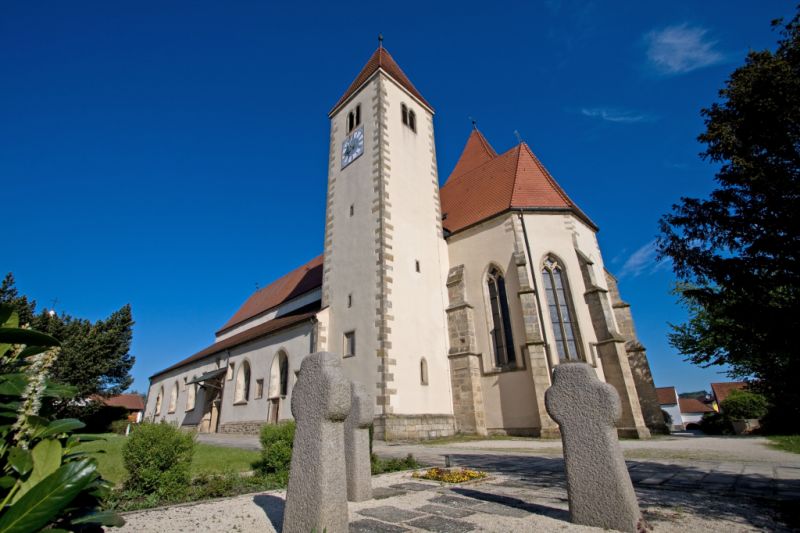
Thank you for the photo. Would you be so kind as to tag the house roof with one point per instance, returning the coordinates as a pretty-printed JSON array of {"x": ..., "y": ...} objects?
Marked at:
[
  {"x": 131, "y": 402},
  {"x": 692, "y": 405},
  {"x": 666, "y": 395},
  {"x": 481, "y": 187},
  {"x": 722, "y": 390},
  {"x": 381, "y": 59},
  {"x": 297, "y": 282},
  {"x": 276, "y": 324}
]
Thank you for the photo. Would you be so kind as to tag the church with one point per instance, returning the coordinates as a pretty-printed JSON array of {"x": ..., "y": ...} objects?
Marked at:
[{"x": 450, "y": 304}]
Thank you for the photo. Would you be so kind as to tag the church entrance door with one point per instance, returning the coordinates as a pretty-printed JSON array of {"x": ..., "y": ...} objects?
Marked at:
[{"x": 274, "y": 407}]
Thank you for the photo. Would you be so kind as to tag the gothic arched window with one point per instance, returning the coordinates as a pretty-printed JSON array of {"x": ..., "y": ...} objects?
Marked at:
[
  {"x": 284, "y": 369},
  {"x": 412, "y": 121},
  {"x": 404, "y": 113},
  {"x": 159, "y": 399},
  {"x": 351, "y": 121},
  {"x": 242, "y": 391},
  {"x": 558, "y": 302},
  {"x": 173, "y": 398},
  {"x": 502, "y": 339},
  {"x": 191, "y": 394}
]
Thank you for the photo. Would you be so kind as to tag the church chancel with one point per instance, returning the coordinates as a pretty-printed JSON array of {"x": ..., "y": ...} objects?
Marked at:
[{"x": 451, "y": 305}]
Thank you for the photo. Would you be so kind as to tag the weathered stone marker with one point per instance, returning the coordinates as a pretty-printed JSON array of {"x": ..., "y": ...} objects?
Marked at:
[
  {"x": 316, "y": 499},
  {"x": 356, "y": 445},
  {"x": 598, "y": 484}
]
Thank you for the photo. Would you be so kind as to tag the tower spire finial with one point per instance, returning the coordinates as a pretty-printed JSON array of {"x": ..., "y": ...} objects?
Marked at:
[
  {"x": 518, "y": 136},
  {"x": 474, "y": 123},
  {"x": 380, "y": 40}
]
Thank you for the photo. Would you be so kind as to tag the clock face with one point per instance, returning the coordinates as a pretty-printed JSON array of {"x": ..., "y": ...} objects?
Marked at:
[{"x": 353, "y": 146}]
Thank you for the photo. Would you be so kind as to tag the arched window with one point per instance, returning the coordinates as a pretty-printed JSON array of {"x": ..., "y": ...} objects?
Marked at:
[
  {"x": 558, "y": 302},
  {"x": 191, "y": 395},
  {"x": 404, "y": 113},
  {"x": 502, "y": 339},
  {"x": 284, "y": 370},
  {"x": 423, "y": 371},
  {"x": 159, "y": 399},
  {"x": 412, "y": 121},
  {"x": 173, "y": 398},
  {"x": 242, "y": 391},
  {"x": 351, "y": 121}
]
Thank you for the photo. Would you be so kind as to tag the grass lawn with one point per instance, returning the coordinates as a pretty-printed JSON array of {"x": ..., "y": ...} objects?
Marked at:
[
  {"x": 787, "y": 443},
  {"x": 207, "y": 458}
]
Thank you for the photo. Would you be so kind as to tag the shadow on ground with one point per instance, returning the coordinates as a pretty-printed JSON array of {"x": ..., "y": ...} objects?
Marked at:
[
  {"x": 723, "y": 491},
  {"x": 273, "y": 508}
]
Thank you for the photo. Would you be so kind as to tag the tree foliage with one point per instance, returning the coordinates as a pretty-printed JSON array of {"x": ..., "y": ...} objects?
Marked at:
[
  {"x": 44, "y": 481},
  {"x": 95, "y": 356},
  {"x": 736, "y": 252}
]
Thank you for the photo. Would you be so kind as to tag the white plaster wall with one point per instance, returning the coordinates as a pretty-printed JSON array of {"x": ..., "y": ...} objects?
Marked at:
[
  {"x": 351, "y": 263},
  {"x": 418, "y": 298},
  {"x": 508, "y": 396},
  {"x": 691, "y": 418},
  {"x": 294, "y": 341},
  {"x": 287, "y": 307},
  {"x": 675, "y": 412}
]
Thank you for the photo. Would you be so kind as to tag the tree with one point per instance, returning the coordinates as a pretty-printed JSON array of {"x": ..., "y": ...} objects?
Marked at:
[
  {"x": 95, "y": 356},
  {"x": 736, "y": 252}
]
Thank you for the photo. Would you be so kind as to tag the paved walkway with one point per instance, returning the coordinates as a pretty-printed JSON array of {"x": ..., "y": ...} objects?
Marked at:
[{"x": 683, "y": 483}]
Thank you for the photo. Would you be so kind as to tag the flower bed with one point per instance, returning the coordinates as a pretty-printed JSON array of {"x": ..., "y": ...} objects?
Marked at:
[{"x": 450, "y": 475}]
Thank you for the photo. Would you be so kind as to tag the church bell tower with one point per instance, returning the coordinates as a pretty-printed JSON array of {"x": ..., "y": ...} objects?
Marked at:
[{"x": 383, "y": 292}]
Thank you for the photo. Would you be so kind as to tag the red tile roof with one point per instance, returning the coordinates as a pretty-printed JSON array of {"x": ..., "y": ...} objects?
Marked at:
[
  {"x": 513, "y": 180},
  {"x": 692, "y": 405},
  {"x": 666, "y": 395},
  {"x": 381, "y": 59},
  {"x": 131, "y": 402},
  {"x": 297, "y": 282},
  {"x": 722, "y": 390},
  {"x": 476, "y": 152},
  {"x": 276, "y": 324}
]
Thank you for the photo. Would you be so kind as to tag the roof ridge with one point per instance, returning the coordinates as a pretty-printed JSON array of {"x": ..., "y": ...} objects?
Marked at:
[
  {"x": 561, "y": 192},
  {"x": 470, "y": 171}
]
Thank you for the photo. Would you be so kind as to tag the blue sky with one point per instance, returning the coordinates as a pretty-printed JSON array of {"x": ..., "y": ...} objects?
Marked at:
[{"x": 172, "y": 155}]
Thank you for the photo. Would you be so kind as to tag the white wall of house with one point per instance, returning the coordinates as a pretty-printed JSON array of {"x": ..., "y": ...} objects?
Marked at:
[
  {"x": 675, "y": 412},
  {"x": 295, "y": 342}
]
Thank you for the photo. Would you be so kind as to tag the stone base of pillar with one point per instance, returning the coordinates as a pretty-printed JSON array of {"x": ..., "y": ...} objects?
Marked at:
[
  {"x": 638, "y": 432},
  {"x": 550, "y": 433}
]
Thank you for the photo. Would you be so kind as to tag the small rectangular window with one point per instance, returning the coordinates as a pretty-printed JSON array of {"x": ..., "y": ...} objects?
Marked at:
[
  {"x": 229, "y": 376},
  {"x": 349, "y": 300},
  {"x": 417, "y": 265},
  {"x": 259, "y": 388},
  {"x": 184, "y": 383},
  {"x": 350, "y": 344},
  {"x": 352, "y": 209},
  {"x": 358, "y": 114}
]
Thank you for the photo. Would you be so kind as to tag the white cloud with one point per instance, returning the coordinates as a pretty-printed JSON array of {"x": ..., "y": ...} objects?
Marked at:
[
  {"x": 680, "y": 49},
  {"x": 643, "y": 261},
  {"x": 611, "y": 114}
]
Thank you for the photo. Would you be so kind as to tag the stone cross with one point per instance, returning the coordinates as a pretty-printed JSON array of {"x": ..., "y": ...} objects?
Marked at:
[
  {"x": 356, "y": 445},
  {"x": 316, "y": 499},
  {"x": 598, "y": 484}
]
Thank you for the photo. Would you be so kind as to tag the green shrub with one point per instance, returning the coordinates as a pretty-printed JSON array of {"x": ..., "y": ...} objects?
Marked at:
[
  {"x": 742, "y": 404},
  {"x": 157, "y": 458},
  {"x": 119, "y": 426},
  {"x": 276, "y": 449},
  {"x": 45, "y": 483},
  {"x": 716, "y": 424},
  {"x": 382, "y": 466}
]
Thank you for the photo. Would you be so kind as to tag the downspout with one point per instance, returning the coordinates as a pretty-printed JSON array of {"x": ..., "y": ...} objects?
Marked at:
[{"x": 536, "y": 292}]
